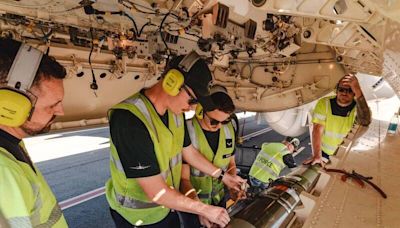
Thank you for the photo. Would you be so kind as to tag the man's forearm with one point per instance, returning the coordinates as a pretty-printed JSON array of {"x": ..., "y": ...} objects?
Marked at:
[
  {"x": 194, "y": 158},
  {"x": 186, "y": 186},
  {"x": 159, "y": 192},
  {"x": 317, "y": 140},
  {"x": 363, "y": 112},
  {"x": 316, "y": 148},
  {"x": 188, "y": 190},
  {"x": 232, "y": 166},
  {"x": 175, "y": 200}
]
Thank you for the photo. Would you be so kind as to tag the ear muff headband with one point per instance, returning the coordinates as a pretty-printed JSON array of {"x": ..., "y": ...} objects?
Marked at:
[
  {"x": 199, "y": 112},
  {"x": 174, "y": 78},
  {"x": 188, "y": 61},
  {"x": 218, "y": 88},
  {"x": 24, "y": 68},
  {"x": 15, "y": 105}
]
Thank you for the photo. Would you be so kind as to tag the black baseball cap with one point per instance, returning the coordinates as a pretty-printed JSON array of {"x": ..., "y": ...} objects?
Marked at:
[{"x": 198, "y": 78}]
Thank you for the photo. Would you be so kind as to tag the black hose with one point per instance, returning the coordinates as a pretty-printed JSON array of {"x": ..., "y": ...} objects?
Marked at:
[
  {"x": 94, "y": 85},
  {"x": 161, "y": 34}
]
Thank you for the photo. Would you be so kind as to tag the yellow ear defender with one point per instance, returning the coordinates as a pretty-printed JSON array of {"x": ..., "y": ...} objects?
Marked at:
[
  {"x": 172, "y": 82},
  {"x": 174, "y": 78},
  {"x": 15, "y": 108},
  {"x": 15, "y": 105},
  {"x": 199, "y": 112}
]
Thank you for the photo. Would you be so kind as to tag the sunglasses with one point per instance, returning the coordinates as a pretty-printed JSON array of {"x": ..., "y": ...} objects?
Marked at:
[
  {"x": 215, "y": 122},
  {"x": 192, "y": 100},
  {"x": 344, "y": 90}
]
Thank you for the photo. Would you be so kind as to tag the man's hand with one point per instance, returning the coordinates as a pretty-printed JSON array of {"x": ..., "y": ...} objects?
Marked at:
[
  {"x": 216, "y": 215},
  {"x": 352, "y": 81},
  {"x": 314, "y": 160},
  {"x": 205, "y": 222},
  {"x": 233, "y": 182},
  {"x": 236, "y": 196}
]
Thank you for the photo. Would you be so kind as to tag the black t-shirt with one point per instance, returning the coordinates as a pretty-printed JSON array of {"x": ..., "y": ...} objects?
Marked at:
[
  {"x": 212, "y": 139},
  {"x": 134, "y": 145},
  {"x": 11, "y": 144},
  {"x": 341, "y": 111}
]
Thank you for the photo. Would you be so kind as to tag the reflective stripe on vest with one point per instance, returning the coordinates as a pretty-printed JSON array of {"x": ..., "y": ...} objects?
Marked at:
[
  {"x": 125, "y": 195},
  {"x": 35, "y": 217},
  {"x": 336, "y": 127},
  {"x": 177, "y": 121},
  {"x": 206, "y": 196},
  {"x": 319, "y": 116},
  {"x": 227, "y": 132},
  {"x": 334, "y": 135},
  {"x": 142, "y": 107},
  {"x": 39, "y": 189},
  {"x": 20, "y": 222},
  {"x": 327, "y": 147},
  {"x": 211, "y": 190},
  {"x": 177, "y": 159},
  {"x": 194, "y": 137},
  {"x": 55, "y": 215},
  {"x": 117, "y": 164},
  {"x": 265, "y": 168},
  {"x": 192, "y": 134},
  {"x": 133, "y": 203},
  {"x": 269, "y": 162},
  {"x": 197, "y": 173},
  {"x": 272, "y": 159}
]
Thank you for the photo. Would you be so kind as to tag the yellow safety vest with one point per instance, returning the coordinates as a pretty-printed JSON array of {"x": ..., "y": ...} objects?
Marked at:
[
  {"x": 336, "y": 128},
  {"x": 269, "y": 162},
  {"x": 125, "y": 194},
  {"x": 33, "y": 203},
  {"x": 211, "y": 190}
]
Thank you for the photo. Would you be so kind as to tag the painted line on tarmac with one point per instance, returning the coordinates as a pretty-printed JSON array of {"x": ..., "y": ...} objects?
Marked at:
[
  {"x": 76, "y": 130},
  {"x": 81, "y": 198},
  {"x": 257, "y": 133}
]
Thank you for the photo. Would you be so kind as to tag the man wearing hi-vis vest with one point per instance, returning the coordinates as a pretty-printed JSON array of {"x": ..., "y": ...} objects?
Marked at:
[
  {"x": 212, "y": 132},
  {"x": 271, "y": 160},
  {"x": 26, "y": 200},
  {"x": 149, "y": 140},
  {"x": 334, "y": 117}
]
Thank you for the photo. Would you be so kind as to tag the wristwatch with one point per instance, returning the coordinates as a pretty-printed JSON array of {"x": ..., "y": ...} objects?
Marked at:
[{"x": 221, "y": 175}]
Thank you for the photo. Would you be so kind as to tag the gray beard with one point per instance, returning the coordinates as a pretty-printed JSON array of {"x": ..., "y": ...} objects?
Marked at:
[
  {"x": 33, "y": 132},
  {"x": 43, "y": 130}
]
